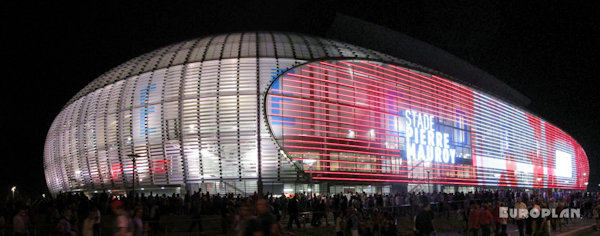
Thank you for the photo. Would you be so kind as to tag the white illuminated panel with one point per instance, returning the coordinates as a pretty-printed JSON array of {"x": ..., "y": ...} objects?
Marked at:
[
  {"x": 563, "y": 164},
  {"x": 191, "y": 112}
]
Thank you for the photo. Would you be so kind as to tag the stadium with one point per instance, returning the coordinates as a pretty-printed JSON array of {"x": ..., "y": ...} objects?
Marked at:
[{"x": 285, "y": 112}]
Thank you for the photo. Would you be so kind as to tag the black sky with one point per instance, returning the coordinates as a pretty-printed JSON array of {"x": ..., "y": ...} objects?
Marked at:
[{"x": 548, "y": 51}]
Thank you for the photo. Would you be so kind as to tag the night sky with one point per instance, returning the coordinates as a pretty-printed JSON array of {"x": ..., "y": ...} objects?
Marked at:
[{"x": 548, "y": 52}]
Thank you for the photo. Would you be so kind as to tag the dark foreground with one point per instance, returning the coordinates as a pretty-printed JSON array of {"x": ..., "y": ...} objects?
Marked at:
[{"x": 338, "y": 214}]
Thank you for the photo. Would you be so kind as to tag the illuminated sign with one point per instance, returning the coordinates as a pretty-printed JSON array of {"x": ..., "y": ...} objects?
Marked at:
[
  {"x": 356, "y": 120},
  {"x": 424, "y": 142}
]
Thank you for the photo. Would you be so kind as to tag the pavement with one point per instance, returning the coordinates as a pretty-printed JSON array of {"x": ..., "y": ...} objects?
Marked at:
[
  {"x": 212, "y": 227},
  {"x": 586, "y": 227}
]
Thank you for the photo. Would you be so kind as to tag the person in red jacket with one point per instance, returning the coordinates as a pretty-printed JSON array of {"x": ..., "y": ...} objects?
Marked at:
[
  {"x": 485, "y": 220},
  {"x": 496, "y": 213},
  {"x": 474, "y": 220},
  {"x": 500, "y": 222}
]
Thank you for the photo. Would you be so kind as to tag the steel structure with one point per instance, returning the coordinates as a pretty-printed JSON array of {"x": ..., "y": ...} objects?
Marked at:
[{"x": 262, "y": 111}]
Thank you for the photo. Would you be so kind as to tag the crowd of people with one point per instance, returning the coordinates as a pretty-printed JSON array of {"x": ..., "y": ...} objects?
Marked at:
[{"x": 475, "y": 213}]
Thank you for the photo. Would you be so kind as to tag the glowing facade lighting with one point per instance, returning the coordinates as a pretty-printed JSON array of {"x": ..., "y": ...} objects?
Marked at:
[
  {"x": 351, "y": 134},
  {"x": 225, "y": 112},
  {"x": 405, "y": 126}
]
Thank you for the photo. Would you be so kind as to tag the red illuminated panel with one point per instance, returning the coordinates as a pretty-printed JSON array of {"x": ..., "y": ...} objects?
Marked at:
[
  {"x": 345, "y": 117},
  {"x": 386, "y": 123}
]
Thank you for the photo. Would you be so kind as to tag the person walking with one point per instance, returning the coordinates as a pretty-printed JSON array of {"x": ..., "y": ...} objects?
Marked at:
[
  {"x": 266, "y": 220},
  {"x": 498, "y": 220},
  {"x": 339, "y": 225},
  {"x": 123, "y": 224},
  {"x": 424, "y": 221},
  {"x": 521, "y": 209},
  {"x": 241, "y": 220},
  {"x": 597, "y": 216},
  {"x": 543, "y": 228},
  {"x": 501, "y": 221},
  {"x": 353, "y": 222},
  {"x": 21, "y": 223},
  {"x": 474, "y": 220},
  {"x": 64, "y": 226},
  {"x": 292, "y": 209},
  {"x": 138, "y": 225},
  {"x": 88, "y": 224},
  {"x": 196, "y": 215},
  {"x": 485, "y": 220}
]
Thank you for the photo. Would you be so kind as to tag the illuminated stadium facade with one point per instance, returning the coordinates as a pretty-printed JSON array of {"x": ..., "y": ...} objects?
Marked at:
[{"x": 281, "y": 112}]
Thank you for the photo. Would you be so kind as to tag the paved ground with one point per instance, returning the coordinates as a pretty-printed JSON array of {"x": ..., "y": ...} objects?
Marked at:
[
  {"x": 585, "y": 227},
  {"x": 178, "y": 225}
]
